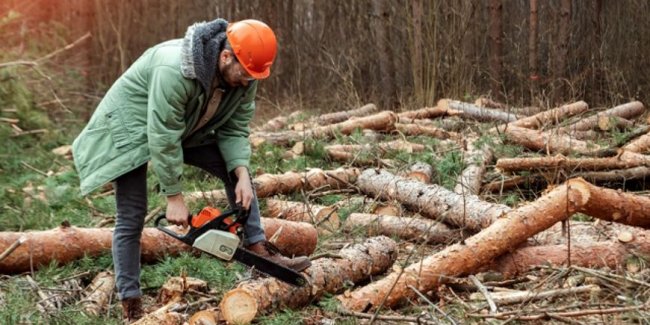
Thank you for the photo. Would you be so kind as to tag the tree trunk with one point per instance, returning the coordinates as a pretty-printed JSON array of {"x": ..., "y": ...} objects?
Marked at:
[
  {"x": 554, "y": 115},
  {"x": 544, "y": 141},
  {"x": 270, "y": 184},
  {"x": 412, "y": 129},
  {"x": 562, "y": 48},
  {"x": 624, "y": 160},
  {"x": 465, "y": 258},
  {"x": 98, "y": 293},
  {"x": 627, "y": 111},
  {"x": 383, "y": 121},
  {"x": 433, "y": 201},
  {"x": 324, "y": 218},
  {"x": 326, "y": 275},
  {"x": 503, "y": 235},
  {"x": 65, "y": 244},
  {"x": 475, "y": 112},
  {"x": 532, "y": 50},
  {"x": 476, "y": 160},
  {"x": 496, "y": 67},
  {"x": 337, "y": 117},
  {"x": 412, "y": 229}
]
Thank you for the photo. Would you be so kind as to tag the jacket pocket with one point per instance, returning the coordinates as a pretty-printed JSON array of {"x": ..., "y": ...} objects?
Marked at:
[{"x": 118, "y": 128}]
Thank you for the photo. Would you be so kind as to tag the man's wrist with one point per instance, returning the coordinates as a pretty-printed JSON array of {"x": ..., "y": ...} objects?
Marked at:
[
  {"x": 241, "y": 171},
  {"x": 175, "y": 197}
]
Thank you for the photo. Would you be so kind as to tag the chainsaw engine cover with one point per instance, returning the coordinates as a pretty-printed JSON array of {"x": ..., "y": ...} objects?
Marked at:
[{"x": 221, "y": 244}]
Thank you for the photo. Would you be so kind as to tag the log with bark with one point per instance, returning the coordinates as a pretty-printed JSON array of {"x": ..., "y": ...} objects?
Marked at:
[
  {"x": 326, "y": 219},
  {"x": 554, "y": 115},
  {"x": 270, "y": 184},
  {"x": 424, "y": 113},
  {"x": 503, "y": 235},
  {"x": 488, "y": 102},
  {"x": 98, "y": 294},
  {"x": 432, "y": 201},
  {"x": 412, "y": 129},
  {"x": 476, "y": 160},
  {"x": 382, "y": 121},
  {"x": 550, "y": 142},
  {"x": 624, "y": 160},
  {"x": 475, "y": 112},
  {"x": 627, "y": 111},
  {"x": 640, "y": 144},
  {"x": 326, "y": 275},
  {"x": 279, "y": 122},
  {"x": 337, "y": 117},
  {"x": 412, "y": 229},
  {"x": 360, "y": 153},
  {"x": 65, "y": 244}
]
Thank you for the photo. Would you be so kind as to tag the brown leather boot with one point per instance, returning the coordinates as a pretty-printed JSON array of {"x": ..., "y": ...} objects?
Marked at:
[
  {"x": 132, "y": 309},
  {"x": 269, "y": 251}
]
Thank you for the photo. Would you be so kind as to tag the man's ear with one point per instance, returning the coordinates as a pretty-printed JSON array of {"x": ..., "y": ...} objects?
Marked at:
[{"x": 225, "y": 56}]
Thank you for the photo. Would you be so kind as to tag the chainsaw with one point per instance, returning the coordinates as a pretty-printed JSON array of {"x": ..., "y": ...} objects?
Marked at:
[{"x": 219, "y": 234}]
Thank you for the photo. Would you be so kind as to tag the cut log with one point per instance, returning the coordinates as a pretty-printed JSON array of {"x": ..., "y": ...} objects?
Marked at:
[
  {"x": 271, "y": 184},
  {"x": 326, "y": 275},
  {"x": 487, "y": 102},
  {"x": 607, "y": 123},
  {"x": 545, "y": 141},
  {"x": 412, "y": 229},
  {"x": 412, "y": 129},
  {"x": 508, "y": 232},
  {"x": 617, "y": 175},
  {"x": 397, "y": 145},
  {"x": 279, "y": 122},
  {"x": 326, "y": 219},
  {"x": 66, "y": 244},
  {"x": 422, "y": 113},
  {"x": 337, "y": 117},
  {"x": 624, "y": 160},
  {"x": 205, "y": 317},
  {"x": 475, "y": 112},
  {"x": 383, "y": 121},
  {"x": 508, "y": 184},
  {"x": 420, "y": 171},
  {"x": 432, "y": 201},
  {"x": 554, "y": 115},
  {"x": 98, "y": 293},
  {"x": 476, "y": 160},
  {"x": 214, "y": 197},
  {"x": 640, "y": 144},
  {"x": 162, "y": 316},
  {"x": 627, "y": 111},
  {"x": 176, "y": 287}
]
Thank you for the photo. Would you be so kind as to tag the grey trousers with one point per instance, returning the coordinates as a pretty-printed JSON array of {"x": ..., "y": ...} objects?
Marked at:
[{"x": 131, "y": 202}]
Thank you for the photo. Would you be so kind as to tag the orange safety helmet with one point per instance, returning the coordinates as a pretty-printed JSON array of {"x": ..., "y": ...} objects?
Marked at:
[{"x": 254, "y": 45}]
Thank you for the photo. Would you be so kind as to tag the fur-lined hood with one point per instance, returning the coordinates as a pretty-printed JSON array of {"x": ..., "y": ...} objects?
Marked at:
[{"x": 200, "y": 51}]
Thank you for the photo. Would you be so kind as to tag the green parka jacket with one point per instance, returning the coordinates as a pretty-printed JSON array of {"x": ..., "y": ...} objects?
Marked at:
[{"x": 148, "y": 114}]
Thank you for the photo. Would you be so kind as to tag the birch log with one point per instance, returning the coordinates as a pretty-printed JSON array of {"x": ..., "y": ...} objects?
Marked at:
[
  {"x": 475, "y": 112},
  {"x": 412, "y": 229},
  {"x": 433, "y": 201},
  {"x": 503, "y": 235},
  {"x": 66, "y": 244},
  {"x": 326, "y": 275},
  {"x": 325, "y": 219}
]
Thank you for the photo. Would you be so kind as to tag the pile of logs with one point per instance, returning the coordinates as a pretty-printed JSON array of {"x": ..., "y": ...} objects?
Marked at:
[{"x": 436, "y": 240}]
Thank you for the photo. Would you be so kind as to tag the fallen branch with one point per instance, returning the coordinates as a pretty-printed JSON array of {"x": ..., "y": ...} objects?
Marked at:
[{"x": 515, "y": 315}]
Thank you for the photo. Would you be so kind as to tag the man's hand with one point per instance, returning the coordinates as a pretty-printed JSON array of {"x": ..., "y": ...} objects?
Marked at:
[
  {"x": 244, "y": 188},
  {"x": 177, "y": 212}
]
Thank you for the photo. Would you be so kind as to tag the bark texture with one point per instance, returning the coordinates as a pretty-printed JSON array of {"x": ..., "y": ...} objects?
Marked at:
[
  {"x": 433, "y": 201},
  {"x": 624, "y": 160},
  {"x": 66, "y": 244},
  {"x": 412, "y": 229},
  {"x": 98, "y": 293},
  {"x": 337, "y": 117},
  {"x": 545, "y": 141},
  {"x": 476, "y": 160},
  {"x": 326, "y": 275},
  {"x": 554, "y": 115},
  {"x": 627, "y": 111},
  {"x": 475, "y": 112},
  {"x": 270, "y": 184},
  {"x": 462, "y": 259},
  {"x": 324, "y": 218},
  {"x": 412, "y": 129}
]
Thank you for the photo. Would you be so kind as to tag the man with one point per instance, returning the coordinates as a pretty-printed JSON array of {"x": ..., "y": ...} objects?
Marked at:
[{"x": 191, "y": 101}]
